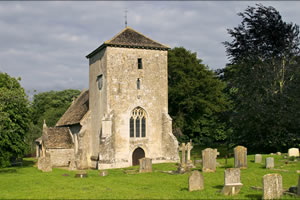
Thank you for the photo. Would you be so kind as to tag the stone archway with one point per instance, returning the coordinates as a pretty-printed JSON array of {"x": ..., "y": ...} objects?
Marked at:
[{"x": 137, "y": 154}]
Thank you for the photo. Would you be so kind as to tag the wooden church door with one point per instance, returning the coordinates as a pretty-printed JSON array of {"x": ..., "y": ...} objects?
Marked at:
[{"x": 136, "y": 155}]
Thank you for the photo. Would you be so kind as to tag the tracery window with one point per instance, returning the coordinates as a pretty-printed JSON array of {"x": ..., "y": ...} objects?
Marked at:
[{"x": 137, "y": 123}]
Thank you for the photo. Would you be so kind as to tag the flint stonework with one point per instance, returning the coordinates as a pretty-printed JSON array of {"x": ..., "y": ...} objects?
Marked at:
[
  {"x": 145, "y": 165},
  {"x": 257, "y": 158},
  {"x": 209, "y": 161},
  {"x": 240, "y": 157},
  {"x": 270, "y": 163},
  {"x": 196, "y": 181},
  {"x": 272, "y": 186}
]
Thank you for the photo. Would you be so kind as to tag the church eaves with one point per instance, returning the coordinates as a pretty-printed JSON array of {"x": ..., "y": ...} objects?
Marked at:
[{"x": 129, "y": 38}]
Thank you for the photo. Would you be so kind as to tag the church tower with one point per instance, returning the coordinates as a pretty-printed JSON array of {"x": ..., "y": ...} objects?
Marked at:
[{"x": 128, "y": 103}]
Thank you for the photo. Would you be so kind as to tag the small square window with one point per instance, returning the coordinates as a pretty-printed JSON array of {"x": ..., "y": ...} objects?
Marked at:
[
  {"x": 100, "y": 81},
  {"x": 140, "y": 64}
]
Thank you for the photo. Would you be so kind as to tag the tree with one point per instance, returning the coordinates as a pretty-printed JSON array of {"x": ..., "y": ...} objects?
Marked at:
[
  {"x": 14, "y": 119},
  {"x": 262, "y": 80},
  {"x": 196, "y": 100}
]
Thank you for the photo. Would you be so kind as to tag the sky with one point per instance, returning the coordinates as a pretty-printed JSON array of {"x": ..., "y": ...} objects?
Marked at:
[{"x": 45, "y": 42}]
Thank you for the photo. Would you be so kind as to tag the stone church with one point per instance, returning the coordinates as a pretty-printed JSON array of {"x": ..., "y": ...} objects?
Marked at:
[{"x": 123, "y": 116}]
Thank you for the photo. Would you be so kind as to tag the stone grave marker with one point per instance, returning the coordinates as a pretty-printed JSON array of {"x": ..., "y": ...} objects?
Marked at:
[
  {"x": 272, "y": 186},
  {"x": 257, "y": 158},
  {"x": 270, "y": 163},
  {"x": 293, "y": 152},
  {"x": 278, "y": 153},
  {"x": 81, "y": 174},
  {"x": 232, "y": 181},
  {"x": 44, "y": 163},
  {"x": 240, "y": 157},
  {"x": 72, "y": 165},
  {"x": 189, "y": 163},
  {"x": 209, "y": 160},
  {"x": 103, "y": 173},
  {"x": 145, "y": 165},
  {"x": 196, "y": 181}
]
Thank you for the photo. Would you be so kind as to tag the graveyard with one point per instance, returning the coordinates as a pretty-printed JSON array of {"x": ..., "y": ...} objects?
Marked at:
[{"x": 27, "y": 182}]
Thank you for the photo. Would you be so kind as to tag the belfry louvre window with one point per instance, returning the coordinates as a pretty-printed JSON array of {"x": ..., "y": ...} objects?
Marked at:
[
  {"x": 140, "y": 63},
  {"x": 137, "y": 123}
]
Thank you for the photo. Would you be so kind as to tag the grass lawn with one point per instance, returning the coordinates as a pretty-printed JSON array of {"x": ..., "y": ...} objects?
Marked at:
[{"x": 28, "y": 182}]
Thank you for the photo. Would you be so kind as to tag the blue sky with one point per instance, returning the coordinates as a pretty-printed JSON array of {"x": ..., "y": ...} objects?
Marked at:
[{"x": 45, "y": 42}]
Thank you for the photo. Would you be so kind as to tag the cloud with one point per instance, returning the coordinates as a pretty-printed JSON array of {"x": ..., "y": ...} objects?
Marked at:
[{"x": 46, "y": 42}]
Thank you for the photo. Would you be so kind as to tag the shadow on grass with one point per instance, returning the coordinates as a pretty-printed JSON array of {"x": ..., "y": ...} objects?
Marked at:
[
  {"x": 226, "y": 166},
  {"x": 218, "y": 187},
  {"x": 184, "y": 189},
  {"x": 3, "y": 171},
  {"x": 254, "y": 196},
  {"x": 27, "y": 163}
]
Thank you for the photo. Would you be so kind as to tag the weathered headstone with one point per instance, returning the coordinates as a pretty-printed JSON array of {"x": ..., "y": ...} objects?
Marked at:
[
  {"x": 189, "y": 163},
  {"x": 182, "y": 166},
  {"x": 278, "y": 153},
  {"x": 103, "y": 173},
  {"x": 232, "y": 181},
  {"x": 44, "y": 163},
  {"x": 209, "y": 161},
  {"x": 240, "y": 157},
  {"x": 72, "y": 165},
  {"x": 257, "y": 158},
  {"x": 298, "y": 188},
  {"x": 81, "y": 174},
  {"x": 145, "y": 165},
  {"x": 269, "y": 162},
  {"x": 272, "y": 186},
  {"x": 293, "y": 152},
  {"x": 196, "y": 181}
]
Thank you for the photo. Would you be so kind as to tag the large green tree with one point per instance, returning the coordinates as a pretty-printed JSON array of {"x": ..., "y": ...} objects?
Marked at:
[
  {"x": 196, "y": 100},
  {"x": 14, "y": 119},
  {"x": 263, "y": 80}
]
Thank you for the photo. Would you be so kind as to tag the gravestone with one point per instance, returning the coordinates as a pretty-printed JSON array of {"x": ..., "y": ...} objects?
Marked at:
[
  {"x": 293, "y": 152},
  {"x": 232, "y": 181},
  {"x": 189, "y": 163},
  {"x": 81, "y": 174},
  {"x": 145, "y": 165},
  {"x": 209, "y": 160},
  {"x": 270, "y": 163},
  {"x": 103, "y": 173},
  {"x": 272, "y": 186},
  {"x": 278, "y": 153},
  {"x": 182, "y": 166},
  {"x": 240, "y": 157},
  {"x": 72, "y": 165},
  {"x": 196, "y": 181},
  {"x": 298, "y": 188},
  {"x": 257, "y": 158},
  {"x": 44, "y": 163}
]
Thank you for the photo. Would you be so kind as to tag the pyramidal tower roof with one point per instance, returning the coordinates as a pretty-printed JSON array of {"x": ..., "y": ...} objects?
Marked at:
[{"x": 130, "y": 38}]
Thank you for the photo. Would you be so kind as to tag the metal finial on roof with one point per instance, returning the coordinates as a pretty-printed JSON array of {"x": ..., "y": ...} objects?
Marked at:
[{"x": 126, "y": 18}]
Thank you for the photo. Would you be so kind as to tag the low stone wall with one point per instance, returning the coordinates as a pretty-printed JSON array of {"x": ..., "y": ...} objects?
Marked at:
[{"x": 60, "y": 157}]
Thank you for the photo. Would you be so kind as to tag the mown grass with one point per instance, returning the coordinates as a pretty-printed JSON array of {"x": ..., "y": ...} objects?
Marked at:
[{"x": 27, "y": 182}]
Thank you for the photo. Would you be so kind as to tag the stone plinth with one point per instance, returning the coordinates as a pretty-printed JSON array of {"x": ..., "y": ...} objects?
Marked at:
[
  {"x": 270, "y": 163},
  {"x": 44, "y": 163},
  {"x": 257, "y": 158},
  {"x": 209, "y": 161},
  {"x": 196, "y": 181},
  {"x": 293, "y": 152},
  {"x": 103, "y": 173},
  {"x": 145, "y": 165},
  {"x": 240, "y": 157},
  {"x": 232, "y": 181},
  {"x": 272, "y": 186}
]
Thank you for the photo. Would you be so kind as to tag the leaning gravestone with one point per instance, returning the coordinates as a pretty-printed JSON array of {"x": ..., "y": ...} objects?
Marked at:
[
  {"x": 196, "y": 181},
  {"x": 272, "y": 186},
  {"x": 240, "y": 157},
  {"x": 145, "y": 165},
  {"x": 293, "y": 152},
  {"x": 257, "y": 158},
  {"x": 269, "y": 162},
  {"x": 44, "y": 163},
  {"x": 232, "y": 181},
  {"x": 209, "y": 161}
]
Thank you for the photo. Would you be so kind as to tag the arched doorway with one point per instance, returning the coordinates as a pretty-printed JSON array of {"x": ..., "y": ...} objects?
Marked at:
[{"x": 137, "y": 154}]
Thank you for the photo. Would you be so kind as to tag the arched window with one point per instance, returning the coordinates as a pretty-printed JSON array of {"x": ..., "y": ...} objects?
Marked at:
[{"x": 137, "y": 123}]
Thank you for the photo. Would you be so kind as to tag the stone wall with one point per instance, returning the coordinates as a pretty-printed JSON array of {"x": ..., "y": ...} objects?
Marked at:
[{"x": 60, "y": 157}]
